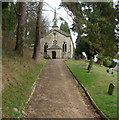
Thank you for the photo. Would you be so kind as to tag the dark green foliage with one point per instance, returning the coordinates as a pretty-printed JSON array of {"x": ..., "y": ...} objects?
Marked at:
[
  {"x": 64, "y": 27},
  {"x": 95, "y": 24},
  {"x": 9, "y": 19},
  {"x": 4, "y": 5},
  {"x": 100, "y": 28},
  {"x": 10, "y": 15},
  {"x": 82, "y": 46},
  {"x": 108, "y": 62}
]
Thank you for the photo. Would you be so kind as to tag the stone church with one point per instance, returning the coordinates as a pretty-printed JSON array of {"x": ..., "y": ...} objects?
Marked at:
[{"x": 56, "y": 44}]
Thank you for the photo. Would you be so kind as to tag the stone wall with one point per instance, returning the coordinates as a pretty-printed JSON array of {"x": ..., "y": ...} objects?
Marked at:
[
  {"x": 58, "y": 53},
  {"x": 49, "y": 38}
]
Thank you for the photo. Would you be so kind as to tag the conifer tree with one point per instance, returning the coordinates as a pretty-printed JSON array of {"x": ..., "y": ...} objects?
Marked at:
[
  {"x": 38, "y": 32},
  {"x": 95, "y": 24},
  {"x": 21, "y": 28}
]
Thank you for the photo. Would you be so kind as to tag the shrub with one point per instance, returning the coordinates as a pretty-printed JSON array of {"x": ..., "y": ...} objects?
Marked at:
[{"x": 107, "y": 62}]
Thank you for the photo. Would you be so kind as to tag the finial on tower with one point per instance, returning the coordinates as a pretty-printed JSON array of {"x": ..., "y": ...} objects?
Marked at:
[{"x": 55, "y": 19}]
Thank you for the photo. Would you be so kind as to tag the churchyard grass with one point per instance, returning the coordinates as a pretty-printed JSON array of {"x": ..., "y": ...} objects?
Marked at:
[
  {"x": 19, "y": 75},
  {"x": 97, "y": 83}
]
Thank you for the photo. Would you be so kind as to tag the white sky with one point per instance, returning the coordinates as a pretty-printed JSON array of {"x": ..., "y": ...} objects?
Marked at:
[{"x": 60, "y": 13}]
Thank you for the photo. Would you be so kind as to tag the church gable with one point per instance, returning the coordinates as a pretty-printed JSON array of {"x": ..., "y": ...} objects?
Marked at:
[{"x": 59, "y": 31}]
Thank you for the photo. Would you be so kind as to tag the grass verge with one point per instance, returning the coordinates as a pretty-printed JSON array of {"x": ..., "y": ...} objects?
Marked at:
[
  {"x": 19, "y": 75},
  {"x": 97, "y": 83}
]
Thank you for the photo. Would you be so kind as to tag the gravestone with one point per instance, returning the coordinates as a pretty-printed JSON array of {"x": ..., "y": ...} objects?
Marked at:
[{"x": 111, "y": 89}]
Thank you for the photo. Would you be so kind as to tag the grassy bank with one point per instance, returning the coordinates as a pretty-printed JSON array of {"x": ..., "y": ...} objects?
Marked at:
[
  {"x": 19, "y": 75},
  {"x": 97, "y": 83}
]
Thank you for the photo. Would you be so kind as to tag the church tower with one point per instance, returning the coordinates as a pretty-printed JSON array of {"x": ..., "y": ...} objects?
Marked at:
[{"x": 55, "y": 21}]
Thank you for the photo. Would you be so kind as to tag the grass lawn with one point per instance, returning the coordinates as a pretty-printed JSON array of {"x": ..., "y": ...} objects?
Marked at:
[{"x": 97, "y": 83}]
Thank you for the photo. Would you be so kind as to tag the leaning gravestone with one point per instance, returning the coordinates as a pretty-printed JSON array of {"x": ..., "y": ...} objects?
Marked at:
[{"x": 111, "y": 89}]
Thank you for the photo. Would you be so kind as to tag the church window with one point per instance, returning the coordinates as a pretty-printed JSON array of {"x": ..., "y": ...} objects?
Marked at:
[
  {"x": 45, "y": 47},
  {"x": 64, "y": 47}
]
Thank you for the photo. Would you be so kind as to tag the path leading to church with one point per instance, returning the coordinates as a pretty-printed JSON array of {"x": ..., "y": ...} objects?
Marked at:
[{"x": 58, "y": 96}]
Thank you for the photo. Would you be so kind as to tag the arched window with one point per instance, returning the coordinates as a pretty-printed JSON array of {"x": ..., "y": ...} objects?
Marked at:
[
  {"x": 45, "y": 47},
  {"x": 64, "y": 47}
]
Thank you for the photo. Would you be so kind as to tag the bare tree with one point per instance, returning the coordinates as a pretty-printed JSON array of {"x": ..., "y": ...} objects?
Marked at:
[
  {"x": 21, "y": 28},
  {"x": 38, "y": 32}
]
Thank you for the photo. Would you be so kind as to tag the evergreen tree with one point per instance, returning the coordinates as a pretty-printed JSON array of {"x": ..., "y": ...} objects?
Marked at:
[
  {"x": 9, "y": 18},
  {"x": 21, "y": 28},
  {"x": 95, "y": 24},
  {"x": 64, "y": 27},
  {"x": 38, "y": 32}
]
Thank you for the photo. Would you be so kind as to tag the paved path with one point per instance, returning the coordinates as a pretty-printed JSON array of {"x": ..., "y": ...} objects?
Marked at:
[{"x": 57, "y": 95}]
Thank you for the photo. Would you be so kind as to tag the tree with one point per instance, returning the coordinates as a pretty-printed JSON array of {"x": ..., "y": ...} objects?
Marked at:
[
  {"x": 31, "y": 19},
  {"x": 21, "y": 28},
  {"x": 31, "y": 23},
  {"x": 9, "y": 19},
  {"x": 82, "y": 46},
  {"x": 91, "y": 22},
  {"x": 100, "y": 29},
  {"x": 64, "y": 27},
  {"x": 4, "y": 5},
  {"x": 38, "y": 32},
  {"x": 44, "y": 26}
]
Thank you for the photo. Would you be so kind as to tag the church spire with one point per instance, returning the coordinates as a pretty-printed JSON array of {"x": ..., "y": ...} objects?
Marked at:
[{"x": 55, "y": 20}]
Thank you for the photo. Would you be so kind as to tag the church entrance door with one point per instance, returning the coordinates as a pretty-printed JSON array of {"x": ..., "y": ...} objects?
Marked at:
[{"x": 53, "y": 54}]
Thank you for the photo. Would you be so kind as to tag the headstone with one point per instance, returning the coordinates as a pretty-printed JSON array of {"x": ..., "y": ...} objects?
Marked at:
[
  {"x": 107, "y": 70},
  {"x": 111, "y": 89}
]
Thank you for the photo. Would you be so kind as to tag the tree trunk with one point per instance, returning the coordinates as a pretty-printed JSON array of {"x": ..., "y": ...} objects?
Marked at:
[
  {"x": 90, "y": 64},
  {"x": 10, "y": 12},
  {"x": 38, "y": 32},
  {"x": 26, "y": 26},
  {"x": 21, "y": 28}
]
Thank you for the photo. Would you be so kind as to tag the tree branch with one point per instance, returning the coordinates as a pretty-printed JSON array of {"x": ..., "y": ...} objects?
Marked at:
[{"x": 15, "y": 10}]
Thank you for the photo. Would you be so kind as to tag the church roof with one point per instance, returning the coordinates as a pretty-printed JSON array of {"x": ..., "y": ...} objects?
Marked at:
[
  {"x": 59, "y": 31},
  {"x": 54, "y": 47}
]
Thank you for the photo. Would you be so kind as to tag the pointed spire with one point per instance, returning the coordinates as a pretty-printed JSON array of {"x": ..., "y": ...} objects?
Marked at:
[{"x": 55, "y": 20}]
